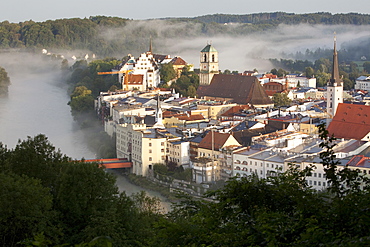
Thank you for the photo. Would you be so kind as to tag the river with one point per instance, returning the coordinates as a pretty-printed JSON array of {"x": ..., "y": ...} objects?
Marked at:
[{"x": 37, "y": 104}]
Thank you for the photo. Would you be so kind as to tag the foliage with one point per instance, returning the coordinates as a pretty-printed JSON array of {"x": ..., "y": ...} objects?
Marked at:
[
  {"x": 4, "y": 81},
  {"x": 25, "y": 208},
  {"x": 187, "y": 84},
  {"x": 167, "y": 72},
  {"x": 281, "y": 99}
]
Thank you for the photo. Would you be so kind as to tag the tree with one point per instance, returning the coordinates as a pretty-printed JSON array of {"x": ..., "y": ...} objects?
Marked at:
[
  {"x": 4, "y": 82},
  {"x": 281, "y": 99},
  {"x": 81, "y": 101},
  {"x": 191, "y": 92},
  {"x": 167, "y": 72},
  {"x": 25, "y": 208},
  {"x": 309, "y": 72},
  {"x": 366, "y": 66}
]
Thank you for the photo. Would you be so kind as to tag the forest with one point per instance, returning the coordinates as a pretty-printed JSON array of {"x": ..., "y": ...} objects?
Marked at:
[
  {"x": 105, "y": 36},
  {"x": 47, "y": 199}
]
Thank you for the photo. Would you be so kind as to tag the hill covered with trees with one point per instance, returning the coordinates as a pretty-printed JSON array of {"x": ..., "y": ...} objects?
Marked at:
[{"x": 105, "y": 36}]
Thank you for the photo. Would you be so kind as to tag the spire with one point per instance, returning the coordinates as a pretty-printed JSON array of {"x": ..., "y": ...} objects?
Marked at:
[
  {"x": 335, "y": 78},
  {"x": 150, "y": 45},
  {"x": 158, "y": 115}
]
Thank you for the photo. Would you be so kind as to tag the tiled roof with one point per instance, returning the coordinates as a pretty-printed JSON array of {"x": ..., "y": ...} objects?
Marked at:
[
  {"x": 350, "y": 122},
  {"x": 135, "y": 79},
  {"x": 219, "y": 140},
  {"x": 359, "y": 161},
  {"x": 235, "y": 109},
  {"x": 241, "y": 89},
  {"x": 178, "y": 61},
  {"x": 191, "y": 117}
]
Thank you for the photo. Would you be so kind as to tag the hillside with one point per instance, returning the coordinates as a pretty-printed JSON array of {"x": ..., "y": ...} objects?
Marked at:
[{"x": 109, "y": 36}]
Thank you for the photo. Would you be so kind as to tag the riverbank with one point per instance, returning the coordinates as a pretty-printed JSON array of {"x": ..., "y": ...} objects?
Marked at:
[{"x": 124, "y": 184}]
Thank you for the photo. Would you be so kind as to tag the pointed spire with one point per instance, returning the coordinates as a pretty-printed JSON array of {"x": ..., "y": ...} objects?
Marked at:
[
  {"x": 150, "y": 45},
  {"x": 335, "y": 78}
]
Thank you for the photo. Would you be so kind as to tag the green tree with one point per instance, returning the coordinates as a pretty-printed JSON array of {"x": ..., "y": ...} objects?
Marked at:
[
  {"x": 25, "y": 208},
  {"x": 81, "y": 101},
  {"x": 191, "y": 92},
  {"x": 281, "y": 99},
  {"x": 309, "y": 72},
  {"x": 366, "y": 66},
  {"x": 167, "y": 72},
  {"x": 4, "y": 81}
]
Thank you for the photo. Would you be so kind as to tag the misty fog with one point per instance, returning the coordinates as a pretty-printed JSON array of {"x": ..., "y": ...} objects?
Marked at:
[
  {"x": 236, "y": 52},
  {"x": 37, "y": 104}
]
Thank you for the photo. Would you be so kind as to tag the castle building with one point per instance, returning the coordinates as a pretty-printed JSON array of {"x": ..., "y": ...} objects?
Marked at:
[
  {"x": 208, "y": 64},
  {"x": 334, "y": 87}
]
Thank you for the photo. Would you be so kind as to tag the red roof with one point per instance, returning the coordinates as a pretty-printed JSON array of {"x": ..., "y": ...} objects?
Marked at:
[
  {"x": 135, "y": 79},
  {"x": 178, "y": 61},
  {"x": 219, "y": 140},
  {"x": 235, "y": 109},
  {"x": 350, "y": 122},
  {"x": 360, "y": 161},
  {"x": 191, "y": 117}
]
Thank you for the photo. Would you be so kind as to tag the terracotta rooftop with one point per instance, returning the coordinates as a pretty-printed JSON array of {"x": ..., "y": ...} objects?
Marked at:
[
  {"x": 178, "y": 61},
  {"x": 238, "y": 88},
  {"x": 135, "y": 79},
  {"x": 350, "y": 122},
  {"x": 219, "y": 140},
  {"x": 359, "y": 161}
]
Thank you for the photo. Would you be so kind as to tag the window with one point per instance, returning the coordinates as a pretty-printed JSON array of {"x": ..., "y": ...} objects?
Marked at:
[
  {"x": 150, "y": 151},
  {"x": 314, "y": 182},
  {"x": 162, "y": 150},
  {"x": 323, "y": 184},
  {"x": 150, "y": 144},
  {"x": 319, "y": 175},
  {"x": 162, "y": 143},
  {"x": 150, "y": 158},
  {"x": 315, "y": 174},
  {"x": 319, "y": 183}
]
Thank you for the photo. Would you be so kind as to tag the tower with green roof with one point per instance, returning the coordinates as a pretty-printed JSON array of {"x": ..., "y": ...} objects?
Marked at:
[{"x": 208, "y": 64}]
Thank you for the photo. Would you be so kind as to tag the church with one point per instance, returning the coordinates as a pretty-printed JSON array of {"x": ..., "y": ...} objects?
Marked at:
[{"x": 239, "y": 89}]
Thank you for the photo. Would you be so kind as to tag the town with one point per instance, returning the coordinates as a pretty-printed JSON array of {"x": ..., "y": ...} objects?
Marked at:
[{"x": 231, "y": 126}]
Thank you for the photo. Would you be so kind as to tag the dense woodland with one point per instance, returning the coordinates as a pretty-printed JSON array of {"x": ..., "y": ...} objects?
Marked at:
[
  {"x": 49, "y": 200},
  {"x": 105, "y": 36}
]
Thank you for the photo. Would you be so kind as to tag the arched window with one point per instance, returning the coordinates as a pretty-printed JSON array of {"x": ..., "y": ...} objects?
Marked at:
[
  {"x": 205, "y": 57},
  {"x": 213, "y": 58}
]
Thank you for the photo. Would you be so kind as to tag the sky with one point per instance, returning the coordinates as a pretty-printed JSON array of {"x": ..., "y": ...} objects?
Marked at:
[{"x": 41, "y": 10}]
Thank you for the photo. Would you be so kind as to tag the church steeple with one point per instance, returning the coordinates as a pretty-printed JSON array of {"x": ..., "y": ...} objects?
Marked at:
[
  {"x": 150, "y": 45},
  {"x": 208, "y": 64},
  {"x": 335, "y": 78},
  {"x": 158, "y": 115},
  {"x": 334, "y": 95}
]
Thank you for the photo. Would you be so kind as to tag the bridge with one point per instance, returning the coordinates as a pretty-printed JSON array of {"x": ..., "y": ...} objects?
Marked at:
[{"x": 112, "y": 163}]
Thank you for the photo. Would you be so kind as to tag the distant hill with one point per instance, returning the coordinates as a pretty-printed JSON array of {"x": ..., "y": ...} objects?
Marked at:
[
  {"x": 286, "y": 18},
  {"x": 109, "y": 36}
]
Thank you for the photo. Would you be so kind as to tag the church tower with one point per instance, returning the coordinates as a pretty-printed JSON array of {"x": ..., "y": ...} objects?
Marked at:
[
  {"x": 208, "y": 64},
  {"x": 334, "y": 89}
]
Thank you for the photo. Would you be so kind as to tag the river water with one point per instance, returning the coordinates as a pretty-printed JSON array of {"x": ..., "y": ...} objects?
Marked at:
[{"x": 37, "y": 104}]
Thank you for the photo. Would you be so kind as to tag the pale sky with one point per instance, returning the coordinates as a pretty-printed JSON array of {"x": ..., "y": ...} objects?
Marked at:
[{"x": 41, "y": 10}]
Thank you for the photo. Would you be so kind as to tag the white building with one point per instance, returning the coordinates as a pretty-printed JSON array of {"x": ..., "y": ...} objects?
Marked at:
[
  {"x": 142, "y": 73},
  {"x": 294, "y": 80},
  {"x": 363, "y": 83}
]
